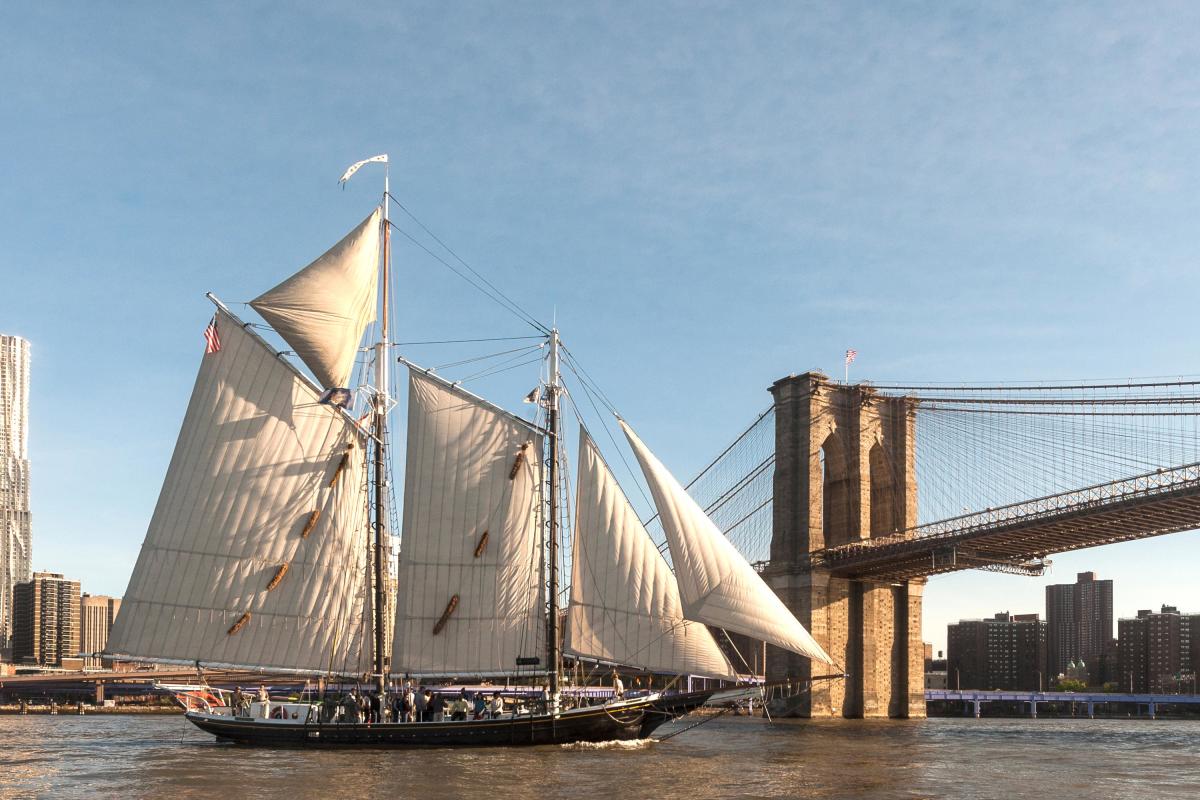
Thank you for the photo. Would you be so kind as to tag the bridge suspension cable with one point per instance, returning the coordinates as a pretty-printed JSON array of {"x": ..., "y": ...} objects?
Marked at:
[{"x": 979, "y": 448}]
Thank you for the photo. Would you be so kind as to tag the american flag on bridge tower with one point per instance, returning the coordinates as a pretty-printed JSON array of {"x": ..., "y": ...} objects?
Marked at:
[{"x": 850, "y": 355}]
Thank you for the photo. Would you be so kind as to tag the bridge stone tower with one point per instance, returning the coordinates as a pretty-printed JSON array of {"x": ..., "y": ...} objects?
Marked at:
[{"x": 845, "y": 472}]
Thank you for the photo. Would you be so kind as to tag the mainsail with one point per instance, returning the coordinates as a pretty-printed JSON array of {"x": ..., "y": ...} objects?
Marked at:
[
  {"x": 256, "y": 552},
  {"x": 625, "y": 606},
  {"x": 718, "y": 586},
  {"x": 470, "y": 596},
  {"x": 321, "y": 311}
]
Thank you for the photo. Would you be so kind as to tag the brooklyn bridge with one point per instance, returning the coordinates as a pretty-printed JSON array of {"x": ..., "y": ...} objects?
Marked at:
[{"x": 850, "y": 496}]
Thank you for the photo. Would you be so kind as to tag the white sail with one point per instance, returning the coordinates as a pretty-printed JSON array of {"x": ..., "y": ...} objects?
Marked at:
[
  {"x": 248, "y": 491},
  {"x": 625, "y": 607},
  {"x": 718, "y": 586},
  {"x": 470, "y": 598},
  {"x": 321, "y": 311}
]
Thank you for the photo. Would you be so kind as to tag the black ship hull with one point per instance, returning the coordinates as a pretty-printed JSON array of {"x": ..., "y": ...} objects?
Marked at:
[{"x": 626, "y": 720}]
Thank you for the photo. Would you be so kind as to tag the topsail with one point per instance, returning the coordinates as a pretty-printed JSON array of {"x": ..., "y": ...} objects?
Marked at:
[
  {"x": 321, "y": 311},
  {"x": 718, "y": 586}
]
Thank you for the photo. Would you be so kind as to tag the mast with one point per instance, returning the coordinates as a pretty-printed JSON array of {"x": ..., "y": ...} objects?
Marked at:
[
  {"x": 380, "y": 430},
  {"x": 552, "y": 438}
]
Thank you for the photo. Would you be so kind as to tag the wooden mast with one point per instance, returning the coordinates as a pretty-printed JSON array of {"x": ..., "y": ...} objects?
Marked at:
[
  {"x": 552, "y": 437},
  {"x": 380, "y": 664}
]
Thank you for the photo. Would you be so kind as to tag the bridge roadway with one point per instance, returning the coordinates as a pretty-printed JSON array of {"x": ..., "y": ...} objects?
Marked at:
[
  {"x": 1018, "y": 537},
  {"x": 1089, "y": 700}
]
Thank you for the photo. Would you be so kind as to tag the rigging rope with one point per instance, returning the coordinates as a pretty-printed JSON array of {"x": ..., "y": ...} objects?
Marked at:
[
  {"x": 490, "y": 291},
  {"x": 975, "y": 451}
]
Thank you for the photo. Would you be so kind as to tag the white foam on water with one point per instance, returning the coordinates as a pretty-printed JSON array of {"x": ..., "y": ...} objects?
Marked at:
[{"x": 625, "y": 744}]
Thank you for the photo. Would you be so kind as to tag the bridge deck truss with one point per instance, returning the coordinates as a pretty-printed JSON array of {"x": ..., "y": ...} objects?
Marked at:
[{"x": 1019, "y": 537}]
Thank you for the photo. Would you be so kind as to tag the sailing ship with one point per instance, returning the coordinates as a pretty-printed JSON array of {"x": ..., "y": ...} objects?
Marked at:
[{"x": 268, "y": 546}]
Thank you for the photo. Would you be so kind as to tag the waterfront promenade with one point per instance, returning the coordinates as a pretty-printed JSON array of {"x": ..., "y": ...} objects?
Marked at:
[{"x": 1089, "y": 703}]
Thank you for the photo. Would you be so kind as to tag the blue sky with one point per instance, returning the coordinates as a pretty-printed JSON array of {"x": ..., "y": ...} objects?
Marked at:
[{"x": 709, "y": 196}]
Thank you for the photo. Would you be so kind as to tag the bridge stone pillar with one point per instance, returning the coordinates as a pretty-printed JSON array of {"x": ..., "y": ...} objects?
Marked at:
[{"x": 844, "y": 472}]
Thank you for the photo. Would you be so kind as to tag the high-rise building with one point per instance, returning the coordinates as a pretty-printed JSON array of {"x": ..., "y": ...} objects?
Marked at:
[
  {"x": 1189, "y": 644},
  {"x": 97, "y": 613},
  {"x": 46, "y": 620},
  {"x": 1158, "y": 652},
  {"x": 1005, "y": 652},
  {"x": 1079, "y": 620},
  {"x": 16, "y": 538}
]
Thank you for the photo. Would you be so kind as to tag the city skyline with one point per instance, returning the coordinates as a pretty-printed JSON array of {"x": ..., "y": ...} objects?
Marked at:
[
  {"x": 708, "y": 202},
  {"x": 1128, "y": 610}
]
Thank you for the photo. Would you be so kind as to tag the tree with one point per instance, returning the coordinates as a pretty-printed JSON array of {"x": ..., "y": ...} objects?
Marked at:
[{"x": 1071, "y": 685}]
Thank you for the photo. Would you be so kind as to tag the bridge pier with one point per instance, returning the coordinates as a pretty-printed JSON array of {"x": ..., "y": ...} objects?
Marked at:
[{"x": 845, "y": 472}]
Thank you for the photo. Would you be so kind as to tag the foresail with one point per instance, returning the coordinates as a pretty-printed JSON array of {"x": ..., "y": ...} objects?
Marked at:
[
  {"x": 321, "y": 311},
  {"x": 470, "y": 597},
  {"x": 625, "y": 607},
  {"x": 256, "y": 552},
  {"x": 718, "y": 586}
]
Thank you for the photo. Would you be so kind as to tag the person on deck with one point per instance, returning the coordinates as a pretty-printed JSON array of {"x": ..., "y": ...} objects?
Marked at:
[
  {"x": 350, "y": 710},
  {"x": 238, "y": 702},
  {"x": 406, "y": 705},
  {"x": 480, "y": 706},
  {"x": 618, "y": 686},
  {"x": 265, "y": 699},
  {"x": 496, "y": 706},
  {"x": 375, "y": 704},
  {"x": 437, "y": 708},
  {"x": 421, "y": 705},
  {"x": 329, "y": 707},
  {"x": 459, "y": 706}
]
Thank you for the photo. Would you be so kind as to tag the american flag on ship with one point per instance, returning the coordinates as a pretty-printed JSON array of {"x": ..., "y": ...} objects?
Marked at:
[
  {"x": 850, "y": 355},
  {"x": 212, "y": 342}
]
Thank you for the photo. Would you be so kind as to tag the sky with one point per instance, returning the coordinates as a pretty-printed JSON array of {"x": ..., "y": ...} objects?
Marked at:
[{"x": 705, "y": 197}]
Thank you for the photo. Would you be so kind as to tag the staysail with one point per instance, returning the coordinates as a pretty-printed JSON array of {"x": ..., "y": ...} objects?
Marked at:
[
  {"x": 321, "y": 311},
  {"x": 625, "y": 607},
  {"x": 718, "y": 586},
  {"x": 470, "y": 597},
  {"x": 256, "y": 552}
]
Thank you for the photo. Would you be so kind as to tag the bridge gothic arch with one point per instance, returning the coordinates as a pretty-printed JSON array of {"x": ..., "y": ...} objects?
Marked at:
[
  {"x": 884, "y": 499},
  {"x": 835, "y": 490}
]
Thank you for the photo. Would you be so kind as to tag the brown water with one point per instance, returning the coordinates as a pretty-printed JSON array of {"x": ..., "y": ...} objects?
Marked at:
[{"x": 145, "y": 757}]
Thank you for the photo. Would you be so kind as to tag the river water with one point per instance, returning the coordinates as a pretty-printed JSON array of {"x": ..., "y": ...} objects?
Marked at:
[{"x": 164, "y": 756}]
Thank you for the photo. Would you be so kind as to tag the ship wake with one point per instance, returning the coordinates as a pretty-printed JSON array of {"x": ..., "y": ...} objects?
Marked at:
[{"x": 616, "y": 744}]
